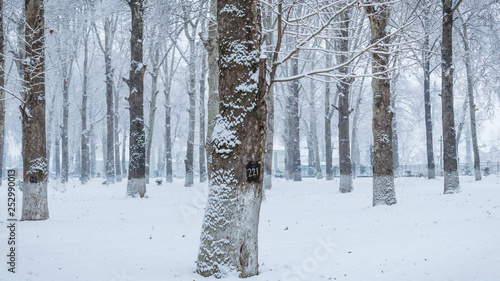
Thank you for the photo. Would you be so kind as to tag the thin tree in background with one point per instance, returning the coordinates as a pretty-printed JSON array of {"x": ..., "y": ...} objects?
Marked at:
[
  {"x": 450, "y": 163},
  {"x": 109, "y": 31},
  {"x": 383, "y": 173},
  {"x": 137, "y": 149},
  {"x": 35, "y": 174},
  {"x": 470, "y": 93},
  {"x": 85, "y": 174},
  {"x": 230, "y": 227}
]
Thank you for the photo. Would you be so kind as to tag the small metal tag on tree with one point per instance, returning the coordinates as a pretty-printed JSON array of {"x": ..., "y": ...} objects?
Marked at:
[{"x": 253, "y": 171}]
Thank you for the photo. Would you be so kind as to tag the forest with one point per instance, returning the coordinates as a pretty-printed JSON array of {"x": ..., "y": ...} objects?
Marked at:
[{"x": 270, "y": 126}]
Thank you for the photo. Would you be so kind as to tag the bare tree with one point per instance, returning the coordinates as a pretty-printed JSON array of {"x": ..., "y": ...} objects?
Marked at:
[
  {"x": 230, "y": 227},
  {"x": 35, "y": 174}
]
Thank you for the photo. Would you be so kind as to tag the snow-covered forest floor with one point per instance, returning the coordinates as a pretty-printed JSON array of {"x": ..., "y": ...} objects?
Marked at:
[{"x": 308, "y": 231}]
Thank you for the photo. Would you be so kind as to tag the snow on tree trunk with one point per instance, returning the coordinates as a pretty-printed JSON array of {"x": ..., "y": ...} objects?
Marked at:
[
  {"x": 137, "y": 149},
  {"x": 85, "y": 175},
  {"x": 110, "y": 128},
  {"x": 451, "y": 180},
  {"x": 395, "y": 142},
  {"x": 35, "y": 173},
  {"x": 230, "y": 227},
  {"x": 383, "y": 173},
  {"x": 343, "y": 88},
  {"x": 168, "y": 113},
  {"x": 152, "y": 110}
]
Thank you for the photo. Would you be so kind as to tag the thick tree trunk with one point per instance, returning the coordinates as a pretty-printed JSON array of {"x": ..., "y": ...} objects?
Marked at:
[
  {"x": 110, "y": 116},
  {"x": 35, "y": 170},
  {"x": 85, "y": 175},
  {"x": 451, "y": 180},
  {"x": 213, "y": 81},
  {"x": 383, "y": 173},
  {"x": 201, "y": 106},
  {"x": 2, "y": 93},
  {"x": 343, "y": 88},
  {"x": 230, "y": 227},
  {"x": 472, "y": 105},
  {"x": 137, "y": 149}
]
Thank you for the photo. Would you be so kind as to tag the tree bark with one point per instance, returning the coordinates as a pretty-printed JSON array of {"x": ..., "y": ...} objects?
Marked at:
[
  {"x": 137, "y": 149},
  {"x": 230, "y": 227},
  {"x": 66, "y": 72},
  {"x": 110, "y": 116},
  {"x": 201, "y": 106},
  {"x": 118, "y": 169},
  {"x": 152, "y": 110},
  {"x": 328, "y": 122},
  {"x": 383, "y": 173},
  {"x": 343, "y": 88},
  {"x": 395, "y": 139},
  {"x": 213, "y": 81},
  {"x": 431, "y": 167},
  {"x": 294, "y": 136},
  {"x": 85, "y": 175},
  {"x": 472, "y": 105},
  {"x": 451, "y": 180},
  {"x": 35, "y": 172}
]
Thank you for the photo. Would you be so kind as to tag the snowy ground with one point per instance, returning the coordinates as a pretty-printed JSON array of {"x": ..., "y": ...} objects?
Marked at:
[{"x": 308, "y": 231}]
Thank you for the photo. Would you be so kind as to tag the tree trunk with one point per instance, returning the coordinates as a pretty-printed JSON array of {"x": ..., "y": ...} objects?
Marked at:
[
  {"x": 35, "y": 172},
  {"x": 383, "y": 173},
  {"x": 110, "y": 116},
  {"x": 451, "y": 180},
  {"x": 64, "y": 136},
  {"x": 311, "y": 165},
  {"x": 124, "y": 142},
  {"x": 314, "y": 131},
  {"x": 201, "y": 106},
  {"x": 213, "y": 81},
  {"x": 137, "y": 150},
  {"x": 168, "y": 114},
  {"x": 118, "y": 169},
  {"x": 431, "y": 167},
  {"x": 296, "y": 169},
  {"x": 268, "y": 156},
  {"x": 152, "y": 108},
  {"x": 85, "y": 175},
  {"x": 2, "y": 93},
  {"x": 328, "y": 123},
  {"x": 355, "y": 121},
  {"x": 230, "y": 227},
  {"x": 472, "y": 105},
  {"x": 343, "y": 88},
  {"x": 57, "y": 154},
  {"x": 189, "y": 161},
  {"x": 395, "y": 141}
]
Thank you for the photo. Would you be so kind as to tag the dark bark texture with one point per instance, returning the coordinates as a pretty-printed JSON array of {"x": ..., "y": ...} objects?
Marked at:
[
  {"x": 136, "y": 184},
  {"x": 35, "y": 173},
  {"x": 450, "y": 165},
  {"x": 383, "y": 173}
]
